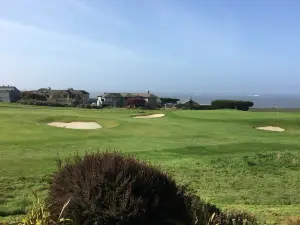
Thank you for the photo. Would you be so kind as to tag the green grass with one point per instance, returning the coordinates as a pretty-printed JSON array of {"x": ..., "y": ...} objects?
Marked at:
[{"x": 218, "y": 153}]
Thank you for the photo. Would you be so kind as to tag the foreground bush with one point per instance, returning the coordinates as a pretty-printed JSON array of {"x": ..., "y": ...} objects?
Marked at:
[{"x": 107, "y": 188}]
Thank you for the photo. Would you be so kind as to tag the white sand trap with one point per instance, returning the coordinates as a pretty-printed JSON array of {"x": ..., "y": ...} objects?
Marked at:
[
  {"x": 271, "y": 128},
  {"x": 76, "y": 125},
  {"x": 150, "y": 116}
]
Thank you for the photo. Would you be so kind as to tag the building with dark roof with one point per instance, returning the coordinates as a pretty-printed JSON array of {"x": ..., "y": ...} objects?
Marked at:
[
  {"x": 121, "y": 99},
  {"x": 66, "y": 96},
  {"x": 9, "y": 94}
]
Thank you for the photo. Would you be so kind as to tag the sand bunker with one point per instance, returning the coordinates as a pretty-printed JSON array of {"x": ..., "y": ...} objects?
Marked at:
[
  {"x": 150, "y": 116},
  {"x": 76, "y": 125},
  {"x": 271, "y": 128}
]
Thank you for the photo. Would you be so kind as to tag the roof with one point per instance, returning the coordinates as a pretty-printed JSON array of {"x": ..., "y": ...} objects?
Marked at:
[
  {"x": 8, "y": 88},
  {"x": 77, "y": 92},
  {"x": 44, "y": 90},
  {"x": 69, "y": 91},
  {"x": 58, "y": 92},
  {"x": 112, "y": 95},
  {"x": 128, "y": 95},
  {"x": 145, "y": 95}
]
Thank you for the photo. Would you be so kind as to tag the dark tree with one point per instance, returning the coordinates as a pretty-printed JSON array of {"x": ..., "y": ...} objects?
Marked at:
[
  {"x": 169, "y": 100},
  {"x": 136, "y": 102},
  {"x": 232, "y": 104},
  {"x": 29, "y": 95}
]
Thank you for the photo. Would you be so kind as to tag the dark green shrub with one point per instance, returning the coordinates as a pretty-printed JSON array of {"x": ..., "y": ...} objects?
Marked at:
[
  {"x": 231, "y": 104},
  {"x": 169, "y": 100},
  {"x": 203, "y": 107},
  {"x": 108, "y": 188},
  {"x": 33, "y": 96},
  {"x": 244, "y": 105},
  {"x": 41, "y": 103},
  {"x": 180, "y": 106},
  {"x": 223, "y": 104}
]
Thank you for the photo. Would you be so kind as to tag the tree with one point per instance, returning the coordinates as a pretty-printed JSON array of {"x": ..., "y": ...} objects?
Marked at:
[
  {"x": 169, "y": 100},
  {"x": 232, "y": 104},
  {"x": 136, "y": 102},
  {"x": 29, "y": 95}
]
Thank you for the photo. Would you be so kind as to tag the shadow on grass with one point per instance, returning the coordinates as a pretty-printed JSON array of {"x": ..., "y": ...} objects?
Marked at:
[
  {"x": 236, "y": 148},
  {"x": 12, "y": 213}
]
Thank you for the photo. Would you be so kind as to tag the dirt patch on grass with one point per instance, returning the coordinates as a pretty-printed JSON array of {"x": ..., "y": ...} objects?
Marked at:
[
  {"x": 149, "y": 116},
  {"x": 271, "y": 128},
  {"x": 76, "y": 125}
]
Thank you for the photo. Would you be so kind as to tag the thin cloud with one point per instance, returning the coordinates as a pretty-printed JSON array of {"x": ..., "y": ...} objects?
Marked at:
[
  {"x": 103, "y": 12},
  {"x": 64, "y": 42}
]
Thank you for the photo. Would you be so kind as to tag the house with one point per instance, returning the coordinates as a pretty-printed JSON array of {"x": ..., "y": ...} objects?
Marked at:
[
  {"x": 9, "y": 94},
  {"x": 111, "y": 99},
  {"x": 81, "y": 94},
  {"x": 67, "y": 96},
  {"x": 123, "y": 99}
]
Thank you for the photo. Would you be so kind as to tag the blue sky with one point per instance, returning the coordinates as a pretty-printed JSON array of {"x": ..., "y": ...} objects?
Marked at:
[{"x": 163, "y": 45}]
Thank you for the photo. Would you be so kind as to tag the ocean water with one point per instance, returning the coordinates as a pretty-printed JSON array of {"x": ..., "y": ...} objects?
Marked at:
[{"x": 260, "y": 101}]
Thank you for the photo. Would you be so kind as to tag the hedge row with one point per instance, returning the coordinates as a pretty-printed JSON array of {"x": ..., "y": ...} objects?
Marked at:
[
  {"x": 28, "y": 95},
  {"x": 193, "y": 107},
  {"x": 216, "y": 104},
  {"x": 232, "y": 104},
  {"x": 41, "y": 103},
  {"x": 56, "y": 104}
]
